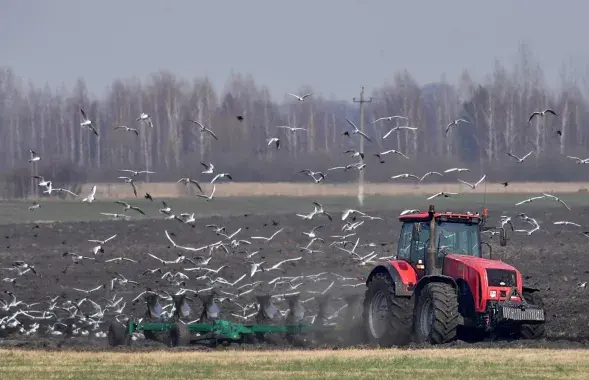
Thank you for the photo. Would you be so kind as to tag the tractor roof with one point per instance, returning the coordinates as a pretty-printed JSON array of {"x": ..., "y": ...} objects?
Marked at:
[{"x": 450, "y": 216}]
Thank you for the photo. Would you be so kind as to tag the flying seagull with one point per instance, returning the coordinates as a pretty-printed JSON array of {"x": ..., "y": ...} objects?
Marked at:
[
  {"x": 34, "y": 156},
  {"x": 221, "y": 175},
  {"x": 389, "y": 118},
  {"x": 208, "y": 197},
  {"x": 473, "y": 186},
  {"x": 388, "y": 152},
  {"x": 127, "y": 129},
  {"x": 456, "y": 170},
  {"x": 455, "y": 122},
  {"x": 90, "y": 196},
  {"x": 204, "y": 129},
  {"x": 398, "y": 128},
  {"x": 291, "y": 129},
  {"x": 87, "y": 123},
  {"x": 301, "y": 98},
  {"x": 145, "y": 117},
  {"x": 442, "y": 194},
  {"x": 274, "y": 140},
  {"x": 518, "y": 158},
  {"x": 541, "y": 113},
  {"x": 356, "y": 131},
  {"x": 135, "y": 173},
  {"x": 129, "y": 207},
  {"x": 208, "y": 168},
  {"x": 130, "y": 181},
  {"x": 187, "y": 180}
]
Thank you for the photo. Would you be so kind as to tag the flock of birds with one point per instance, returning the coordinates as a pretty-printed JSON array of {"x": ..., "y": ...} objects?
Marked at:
[{"x": 201, "y": 271}]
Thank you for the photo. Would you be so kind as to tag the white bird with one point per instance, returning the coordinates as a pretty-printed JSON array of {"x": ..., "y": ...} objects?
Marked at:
[
  {"x": 388, "y": 152},
  {"x": 473, "y": 186},
  {"x": 409, "y": 211},
  {"x": 267, "y": 239},
  {"x": 129, "y": 207},
  {"x": 275, "y": 141},
  {"x": 579, "y": 160},
  {"x": 541, "y": 113},
  {"x": 136, "y": 172},
  {"x": 204, "y": 129},
  {"x": 405, "y": 175},
  {"x": 34, "y": 156},
  {"x": 349, "y": 212},
  {"x": 103, "y": 242},
  {"x": 116, "y": 216},
  {"x": 146, "y": 118},
  {"x": 127, "y": 129},
  {"x": 291, "y": 129},
  {"x": 221, "y": 175},
  {"x": 301, "y": 98},
  {"x": 208, "y": 197},
  {"x": 518, "y": 158},
  {"x": 455, "y": 122},
  {"x": 277, "y": 265},
  {"x": 355, "y": 153},
  {"x": 182, "y": 247},
  {"x": 90, "y": 196},
  {"x": 42, "y": 181},
  {"x": 208, "y": 168},
  {"x": 130, "y": 181},
  {"x": 187, "y": 180},
  {"x": 90, "y": 290},
  {"x": 119, "y": 259},
  {"x": 398, "y": 128},
  {"x": 35, "y": 205},
  {"x": 87, "y": 123},
  {"x": 554, "y": 197},
  {"x": 529, "y": 200},
  {"x": 456, "y": 170},
  {"x": 428, "y": 174},
  {"x": 442, "y": 194},
  {"x": 389, "y": 118},
  {"x": 566, "y": 222},
  {"x": 356, "y": 131},
  {"x": 311, "y": 234}
]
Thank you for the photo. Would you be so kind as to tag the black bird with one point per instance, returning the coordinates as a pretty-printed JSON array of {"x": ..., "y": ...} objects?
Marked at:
[
  {"x": 240, "y": 118},
  {"x": 148, "y": 196},
  {"x": 559, "y": 132},
  {"x": 505, "y": 184}
]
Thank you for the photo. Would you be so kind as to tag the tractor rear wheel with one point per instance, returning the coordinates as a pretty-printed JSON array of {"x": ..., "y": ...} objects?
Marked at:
[
  {"x": 386, "y": 318},
  {"x": 533, "y": 331},
  {"x": 436, "y": 316}
]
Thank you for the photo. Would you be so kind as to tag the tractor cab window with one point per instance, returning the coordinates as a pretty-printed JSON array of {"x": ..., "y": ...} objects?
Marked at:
[
  {"x": 404, "y": 244},
  {"x": 420, "y": 243},
  {"x": 458, "y": 238}
]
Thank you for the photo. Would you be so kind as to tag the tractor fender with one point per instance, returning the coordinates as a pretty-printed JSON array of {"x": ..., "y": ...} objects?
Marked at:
[
  {"x": 434, "y": 278},
  {"x": 403, "y": 275}
]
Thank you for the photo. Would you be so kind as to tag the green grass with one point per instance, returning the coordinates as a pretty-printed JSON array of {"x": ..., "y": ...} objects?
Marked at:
[
  {"x": 58, "y": 210},
  {"x": 440, "y": 364}
]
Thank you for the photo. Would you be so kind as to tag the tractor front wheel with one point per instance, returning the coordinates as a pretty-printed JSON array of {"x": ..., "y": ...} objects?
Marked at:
[
  {"x": 386, "y": 318},
  {"x": 436, "y": 316},
  {"x": 533, "y": 331}
]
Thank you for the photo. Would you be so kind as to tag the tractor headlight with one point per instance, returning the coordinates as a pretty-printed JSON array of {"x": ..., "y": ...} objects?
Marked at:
[{"x": 493, "y": 294}]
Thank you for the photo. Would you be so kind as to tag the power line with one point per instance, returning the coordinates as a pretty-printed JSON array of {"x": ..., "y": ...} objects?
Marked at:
[{"x": 361, "y": 172}]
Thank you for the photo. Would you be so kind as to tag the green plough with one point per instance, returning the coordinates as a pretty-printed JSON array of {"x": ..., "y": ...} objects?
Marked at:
[{"x": 270, "y": 327}]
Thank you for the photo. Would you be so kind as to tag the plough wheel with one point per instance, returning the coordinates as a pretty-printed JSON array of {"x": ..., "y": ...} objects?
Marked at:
[
  {"x": 179, "y": 335},
  {"x": 117, "y": 335},
  {"x": 533, "y": 331}
]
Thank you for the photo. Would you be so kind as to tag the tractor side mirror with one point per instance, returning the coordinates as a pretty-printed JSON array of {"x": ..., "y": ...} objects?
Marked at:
[
  {"x": 490, "y": 249},
  {"x": 502, "y": 237}
]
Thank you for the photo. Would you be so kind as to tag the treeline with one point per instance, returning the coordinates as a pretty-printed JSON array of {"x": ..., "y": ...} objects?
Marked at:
[{"x": 48, "y": 121}]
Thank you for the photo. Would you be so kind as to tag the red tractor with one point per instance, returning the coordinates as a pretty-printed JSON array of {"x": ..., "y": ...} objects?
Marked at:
[{"x": 440, "y": 287}]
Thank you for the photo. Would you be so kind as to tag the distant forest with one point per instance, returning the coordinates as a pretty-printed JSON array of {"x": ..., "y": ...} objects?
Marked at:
[{"x": 48, "y": 121}]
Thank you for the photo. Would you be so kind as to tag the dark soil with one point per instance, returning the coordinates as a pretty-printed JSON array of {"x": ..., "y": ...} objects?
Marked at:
[{"x": 553, "y": 259}]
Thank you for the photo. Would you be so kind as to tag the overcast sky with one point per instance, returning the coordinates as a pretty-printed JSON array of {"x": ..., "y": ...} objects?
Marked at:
[{"x": 335, "y": 46}]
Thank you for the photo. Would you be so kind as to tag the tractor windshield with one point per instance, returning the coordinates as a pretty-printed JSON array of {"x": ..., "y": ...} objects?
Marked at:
[{"x": 459, "y": 238}]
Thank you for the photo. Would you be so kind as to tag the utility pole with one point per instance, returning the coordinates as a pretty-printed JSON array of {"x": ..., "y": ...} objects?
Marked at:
[{"x": 361, "y": 172}]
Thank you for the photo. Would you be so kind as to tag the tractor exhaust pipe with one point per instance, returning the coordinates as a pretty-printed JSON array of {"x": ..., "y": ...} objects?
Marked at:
[{"x": 430, "y": 259}]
